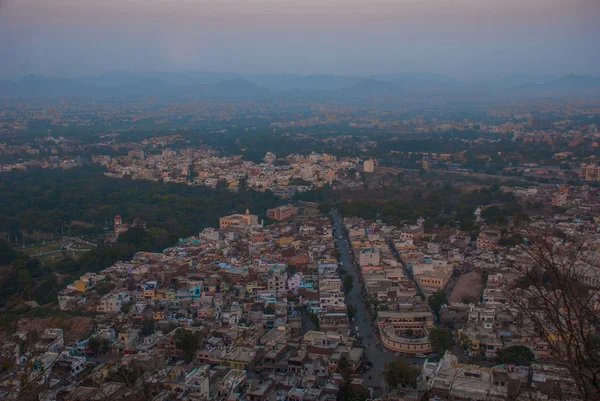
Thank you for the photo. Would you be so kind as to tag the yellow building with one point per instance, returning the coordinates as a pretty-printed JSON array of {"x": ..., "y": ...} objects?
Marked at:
[
  {"x": 590, "y": 172},
  {"x": 246, "y": 219},
  {"x": 253, "y": 287},
  {"x": 86, "y": 282},
  {"x": 369, "y": 166},
  {"x": 397, "y": 343},
  {"x": 285, "y": 240},
  {"x": 393, "y": 328},
  {"x": 158, "y": 315}
]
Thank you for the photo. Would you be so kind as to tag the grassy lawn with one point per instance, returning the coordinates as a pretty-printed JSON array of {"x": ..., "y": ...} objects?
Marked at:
[
  {"x": 308, "y": 213},
  {"x": 36, "y": 249},
  {"x": 49, "y": 260}
]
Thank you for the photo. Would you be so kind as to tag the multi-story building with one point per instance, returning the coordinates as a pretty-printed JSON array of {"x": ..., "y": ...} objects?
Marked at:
[
  {"x": 277, "y": 278},
  {"x": 50, "y": 340},
  {"x": 86, "y": 282},
  {"x": 433, "y": 280},
  {"x": 331, "y": 296},
  {"x": 281, "y": 212},
  {"x": 245, "y": 219},
  {"x": 590, "y": 172},
  {"x": 488, "y": 239},
  {"x": 425, "y": 163},
  {"x": 451, "y": 380},
  {"x": 112, "y": 303},
  {"x": 368, "y": 257},
  {"x": 406, "y": 331},
  {"x": 270, "y": 158}
]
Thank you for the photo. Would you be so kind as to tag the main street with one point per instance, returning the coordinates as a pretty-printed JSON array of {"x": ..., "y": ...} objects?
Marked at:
[{"x": 373, "y": 350}]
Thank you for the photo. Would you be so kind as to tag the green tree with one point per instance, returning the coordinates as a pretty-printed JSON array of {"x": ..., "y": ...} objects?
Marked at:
[
  {"x": 105, "y": 346},
  {"x": 46, "y": 291},
  {"x": 158, "y": 239},
  {"x": 24, "y": 277},
  {"x": 437, "y": 300},
  {"x": 135, "y": 236},
  {"x": 125, "y": 375},
  {"x": 324, "y": 207},
  {"x": 126, "y": 307},
  {"x": 351, "y": 311},
  {"x": 400, "y": 375},
  {"x": 222, "y": 184},
  {"x": 243, "y": 184},
  {"x": 148, "y": 327},
  {"x": 314, "y": 318},
  {"x": 441, "y": 340},
  {"x": 188, "y": 341},
  {"x": 348, "y": 283},
  {"x": 67, "y": 266},
  {"x": 494, "y": 215},
  {"x": 465, "y": 342},
  {"x": 104, "y": 288},
  {"x": 7, "y": 253},
  {"x": 517, "y": 355},
  {"x": 346, "y": 392},
  {"x": 94, "y": 345}
]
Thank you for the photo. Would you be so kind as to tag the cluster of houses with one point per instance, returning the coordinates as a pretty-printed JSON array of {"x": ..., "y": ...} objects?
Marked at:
[
  {"x": 202, "y": 167},
  {"x": 263, "y": 306}
]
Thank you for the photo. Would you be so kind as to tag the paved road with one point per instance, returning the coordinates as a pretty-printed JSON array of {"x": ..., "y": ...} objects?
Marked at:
[{"x": 373, "y": 350}]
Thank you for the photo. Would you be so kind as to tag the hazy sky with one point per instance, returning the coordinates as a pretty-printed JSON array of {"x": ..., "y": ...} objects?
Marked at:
[{"x": 468, "y": 39}]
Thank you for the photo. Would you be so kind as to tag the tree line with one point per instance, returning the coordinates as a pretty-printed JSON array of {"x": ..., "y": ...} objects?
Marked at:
[
  {"x": 50, "y": 200},
  {"x": 47, "y": 200}
]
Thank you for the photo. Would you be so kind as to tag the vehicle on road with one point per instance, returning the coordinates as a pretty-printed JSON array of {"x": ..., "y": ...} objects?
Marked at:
[{"x": 420, "y": 356}]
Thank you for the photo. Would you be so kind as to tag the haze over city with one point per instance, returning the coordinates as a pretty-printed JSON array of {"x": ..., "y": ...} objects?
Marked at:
[
  {"x": 466, "y": 39},
  {"x": 299, "y": 200}
]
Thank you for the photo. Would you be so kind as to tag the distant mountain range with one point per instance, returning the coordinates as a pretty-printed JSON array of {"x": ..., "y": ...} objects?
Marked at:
[
  {"x": 232, "y": 86},
  {"x": 568, "y": 82}
]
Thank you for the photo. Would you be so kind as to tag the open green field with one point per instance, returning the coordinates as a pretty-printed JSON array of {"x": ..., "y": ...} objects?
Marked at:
[
  {"x": 309, "y": 212},
  {"x": 41, "y": 248},
  {"x": 49, "y": 260}
]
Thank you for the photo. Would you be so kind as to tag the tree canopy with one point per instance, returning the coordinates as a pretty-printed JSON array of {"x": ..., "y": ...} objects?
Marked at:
[
  {"x": 441, "y": 340},
  {"x": 437, "y": 300},
  {"x": 517, "y": 355},
  {"x": 398, "y": 375},
  {"x": 188, "y": 341},
  {"x": 49, "y": 200}
]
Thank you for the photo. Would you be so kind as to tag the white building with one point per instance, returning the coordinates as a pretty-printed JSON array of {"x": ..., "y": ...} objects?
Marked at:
[
  {"x": 112, "y": 303},
  {"x": 369, "y": 257},
  {"x": 277, "y": 278}
]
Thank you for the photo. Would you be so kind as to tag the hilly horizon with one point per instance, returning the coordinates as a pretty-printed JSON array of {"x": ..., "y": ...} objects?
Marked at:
[{"x": 232, "y": 86}]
